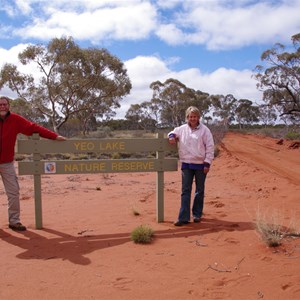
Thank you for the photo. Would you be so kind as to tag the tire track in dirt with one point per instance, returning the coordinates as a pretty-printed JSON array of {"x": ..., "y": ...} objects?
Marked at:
[{"x": 264, "y": 153}]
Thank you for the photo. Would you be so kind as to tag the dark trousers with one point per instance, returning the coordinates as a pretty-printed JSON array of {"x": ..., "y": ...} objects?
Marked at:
[{"x": 188, "y": 176}]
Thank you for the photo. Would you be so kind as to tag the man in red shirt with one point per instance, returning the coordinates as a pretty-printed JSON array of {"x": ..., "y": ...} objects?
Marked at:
[{"x": 10, "y": 126}]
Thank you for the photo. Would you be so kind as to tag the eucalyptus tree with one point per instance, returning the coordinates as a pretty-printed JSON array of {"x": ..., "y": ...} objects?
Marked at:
[
  {"x": 246, "y": 113},
  {"x": 22, "y": 107},
  {"x": 267, "y": 115},
  {"x": 203, "y": 102},
  {"x": 133, "y": 115},
  {"x": 142, "y": 116},
  {"x": 169, "y": 95},
  {"x": 69, "y": 81},
  {"x": 224, "y": 107},
  {"x": 279, "y": 79},
  {"x": 172, "y": 98}
]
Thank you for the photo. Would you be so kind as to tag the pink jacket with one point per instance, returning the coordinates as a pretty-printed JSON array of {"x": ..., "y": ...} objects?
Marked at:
[{"x": 195, "y": 146}]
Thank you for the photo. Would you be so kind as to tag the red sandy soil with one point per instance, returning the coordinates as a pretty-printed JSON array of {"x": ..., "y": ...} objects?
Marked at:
[{"x": 84, "y": 250}]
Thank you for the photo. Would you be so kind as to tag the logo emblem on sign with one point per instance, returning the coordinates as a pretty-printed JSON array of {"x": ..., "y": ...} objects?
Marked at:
[{"x": 50, "y": 167}]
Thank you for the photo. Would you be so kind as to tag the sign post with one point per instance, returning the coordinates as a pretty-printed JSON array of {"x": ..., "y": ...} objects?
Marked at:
[{"x": 160, "y": 186}]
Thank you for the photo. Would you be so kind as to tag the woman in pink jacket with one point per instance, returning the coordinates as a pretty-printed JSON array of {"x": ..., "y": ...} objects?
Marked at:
[
  {"x": 196, "y": 152},
  {"x": 10, "y": 126}
]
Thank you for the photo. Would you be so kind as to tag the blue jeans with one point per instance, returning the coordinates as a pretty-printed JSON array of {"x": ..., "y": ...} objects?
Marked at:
[{"x": 187, "y": 176}]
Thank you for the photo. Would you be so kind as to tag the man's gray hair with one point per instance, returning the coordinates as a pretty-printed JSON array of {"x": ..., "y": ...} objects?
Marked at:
[{"x": 5, "y": 98}]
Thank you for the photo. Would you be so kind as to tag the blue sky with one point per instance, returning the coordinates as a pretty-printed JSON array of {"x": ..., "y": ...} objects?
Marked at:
[{"x": 209, "y": 45}]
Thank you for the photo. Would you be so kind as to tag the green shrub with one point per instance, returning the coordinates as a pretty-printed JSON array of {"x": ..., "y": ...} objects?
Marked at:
[
  {"x": 142, "y": 234},
  {"x": 291, "y": 135}
]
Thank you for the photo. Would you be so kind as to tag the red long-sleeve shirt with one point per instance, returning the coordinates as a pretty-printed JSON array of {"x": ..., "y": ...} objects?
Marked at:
[{"x": 10, "y": 127}]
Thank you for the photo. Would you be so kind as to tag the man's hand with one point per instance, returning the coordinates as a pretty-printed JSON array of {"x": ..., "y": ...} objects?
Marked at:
[{"x": 60, "y": 138}]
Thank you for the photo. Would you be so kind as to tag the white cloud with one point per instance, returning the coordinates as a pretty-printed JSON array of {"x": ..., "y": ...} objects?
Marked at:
[
  {"x": 145, "y": 68},
  {"x": 66, "y": 5},
  {"x": 231, "y": 24},
  {"x": 11, "y": 55},
  {"x": 8, "y": 9},
  {"x": 24, "y": 6},
  {"x": 228, "y": 81},
  {"x": 171, "y": 34},
  {"x": 168, "y": 4},
  {"x": 130, "y": 22}
]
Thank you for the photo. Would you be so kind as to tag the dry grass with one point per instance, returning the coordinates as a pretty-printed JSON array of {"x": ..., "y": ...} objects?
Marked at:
[
  {"x": 271, "y": 230},
  {"x": 135, "y": 211},
  {"x": 271, "y": 233}
]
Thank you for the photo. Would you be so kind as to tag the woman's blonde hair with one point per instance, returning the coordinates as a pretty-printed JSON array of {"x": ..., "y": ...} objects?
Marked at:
[{"x": 192, "y": 109}]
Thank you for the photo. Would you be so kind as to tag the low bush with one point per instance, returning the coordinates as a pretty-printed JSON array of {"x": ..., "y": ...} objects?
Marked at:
[
  {"x": 292, "y": 135},
  {"x": 142, "y": 234}
]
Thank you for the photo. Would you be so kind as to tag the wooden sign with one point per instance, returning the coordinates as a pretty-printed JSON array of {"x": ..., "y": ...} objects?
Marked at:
[{"x": 37, "y": 167}]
